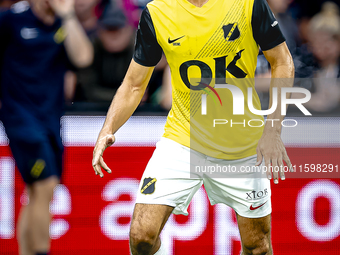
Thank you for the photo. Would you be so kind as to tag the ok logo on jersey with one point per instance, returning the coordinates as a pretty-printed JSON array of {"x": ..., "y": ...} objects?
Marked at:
[{"x": 206, "y": 73}]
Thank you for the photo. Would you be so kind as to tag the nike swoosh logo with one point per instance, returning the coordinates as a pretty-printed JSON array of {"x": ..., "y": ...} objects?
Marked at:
[
  {"x": 257, "y": 207},
  {"x": 172, "y": 41}
]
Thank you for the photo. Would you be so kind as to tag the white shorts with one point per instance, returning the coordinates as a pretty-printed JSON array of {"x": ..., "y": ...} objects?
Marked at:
[{"x": 167, "y": 180}]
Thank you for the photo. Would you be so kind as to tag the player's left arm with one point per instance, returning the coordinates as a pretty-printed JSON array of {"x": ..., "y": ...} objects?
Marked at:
[
  {"x": 270, "y": 146},
  {"x": 268, "y": 36},
  {"x": 78, "y": 47}
]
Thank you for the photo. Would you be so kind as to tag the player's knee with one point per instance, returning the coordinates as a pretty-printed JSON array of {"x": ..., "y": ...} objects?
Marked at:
[
  {"x": 261, "y": 247},
  {"x": 142, "y": 241},
  {"x": 43, "y": 190}
]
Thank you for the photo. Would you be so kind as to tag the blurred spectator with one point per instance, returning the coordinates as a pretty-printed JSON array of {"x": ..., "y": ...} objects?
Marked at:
[
  {"x": 304, "y": 59},
  {"x": 325, "y": 44},
  {"x": 40, "y": 41},
  {"x": 317, "y": 59},
  {"x": 325, "y": 40},
  {"x": 303, "y": 11},
  {"x": 113, "y": 52},
  {"x": 85, "y": 10},
  {"x": 133, "y": 9}
]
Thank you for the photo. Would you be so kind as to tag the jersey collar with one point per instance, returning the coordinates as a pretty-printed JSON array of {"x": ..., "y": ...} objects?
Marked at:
[{"x": 194, "y": 9}]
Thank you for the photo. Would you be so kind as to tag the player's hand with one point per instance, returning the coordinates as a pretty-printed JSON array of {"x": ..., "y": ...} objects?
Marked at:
[
  {"x": 62, "y": 8},
  {"x": 98, "y": 162},
  {"x": 272, "y": 149}
]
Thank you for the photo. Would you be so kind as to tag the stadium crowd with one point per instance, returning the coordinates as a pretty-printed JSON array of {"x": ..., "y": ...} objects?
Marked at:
[{"x": 311, "y": 28}]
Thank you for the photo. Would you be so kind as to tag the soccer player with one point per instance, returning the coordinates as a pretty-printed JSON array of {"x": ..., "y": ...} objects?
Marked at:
[
  {"x": 40, "y": 41},
  {"x": 203, "y": 39}
]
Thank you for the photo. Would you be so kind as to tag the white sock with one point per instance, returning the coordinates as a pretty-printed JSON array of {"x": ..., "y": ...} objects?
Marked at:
[{"x": 161, "y": 250}]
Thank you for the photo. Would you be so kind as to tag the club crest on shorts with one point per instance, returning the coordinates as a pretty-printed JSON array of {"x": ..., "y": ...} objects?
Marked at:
[{"x": 148, "y": 186}]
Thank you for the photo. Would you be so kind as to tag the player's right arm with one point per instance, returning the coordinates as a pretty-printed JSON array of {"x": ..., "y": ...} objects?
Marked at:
[
  {"x": 123, "y": 105},
  {"x": 147, "y": 54}
]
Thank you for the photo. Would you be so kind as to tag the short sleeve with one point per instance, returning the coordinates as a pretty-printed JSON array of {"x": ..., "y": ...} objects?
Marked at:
[
  {"x": 147, "y": 50},
  {"x": 266, "y": 30}
]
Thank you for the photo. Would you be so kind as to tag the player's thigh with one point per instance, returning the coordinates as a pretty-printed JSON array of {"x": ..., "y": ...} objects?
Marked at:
[
  {"x": 248, "y": 193},
  {"x": 148, "y": 221},
  {"x": 255, "y": 234},
  {"x": 167, "y": 179}
]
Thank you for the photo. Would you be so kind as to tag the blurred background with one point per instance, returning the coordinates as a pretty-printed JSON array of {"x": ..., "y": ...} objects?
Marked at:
[
  {"x": 92, "y": 215},
  {"x": 311, "y": 28}
]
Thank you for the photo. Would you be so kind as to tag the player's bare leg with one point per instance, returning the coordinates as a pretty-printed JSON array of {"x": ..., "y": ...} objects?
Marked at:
[
  {"x": 146, "y": 226},
  {"x": 34, "y": 221},
  {"x": 255, "y": 235},
  {"x": 23, "y": 235}
]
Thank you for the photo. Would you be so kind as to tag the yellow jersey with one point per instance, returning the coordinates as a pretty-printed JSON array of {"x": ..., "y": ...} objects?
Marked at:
[{"x": 212, "y": 53}]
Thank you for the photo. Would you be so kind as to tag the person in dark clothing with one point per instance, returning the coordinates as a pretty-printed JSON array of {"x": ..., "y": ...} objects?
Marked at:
[
  {"x": 41, "y": 40},
  {"x": 113, "y": 49}
]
